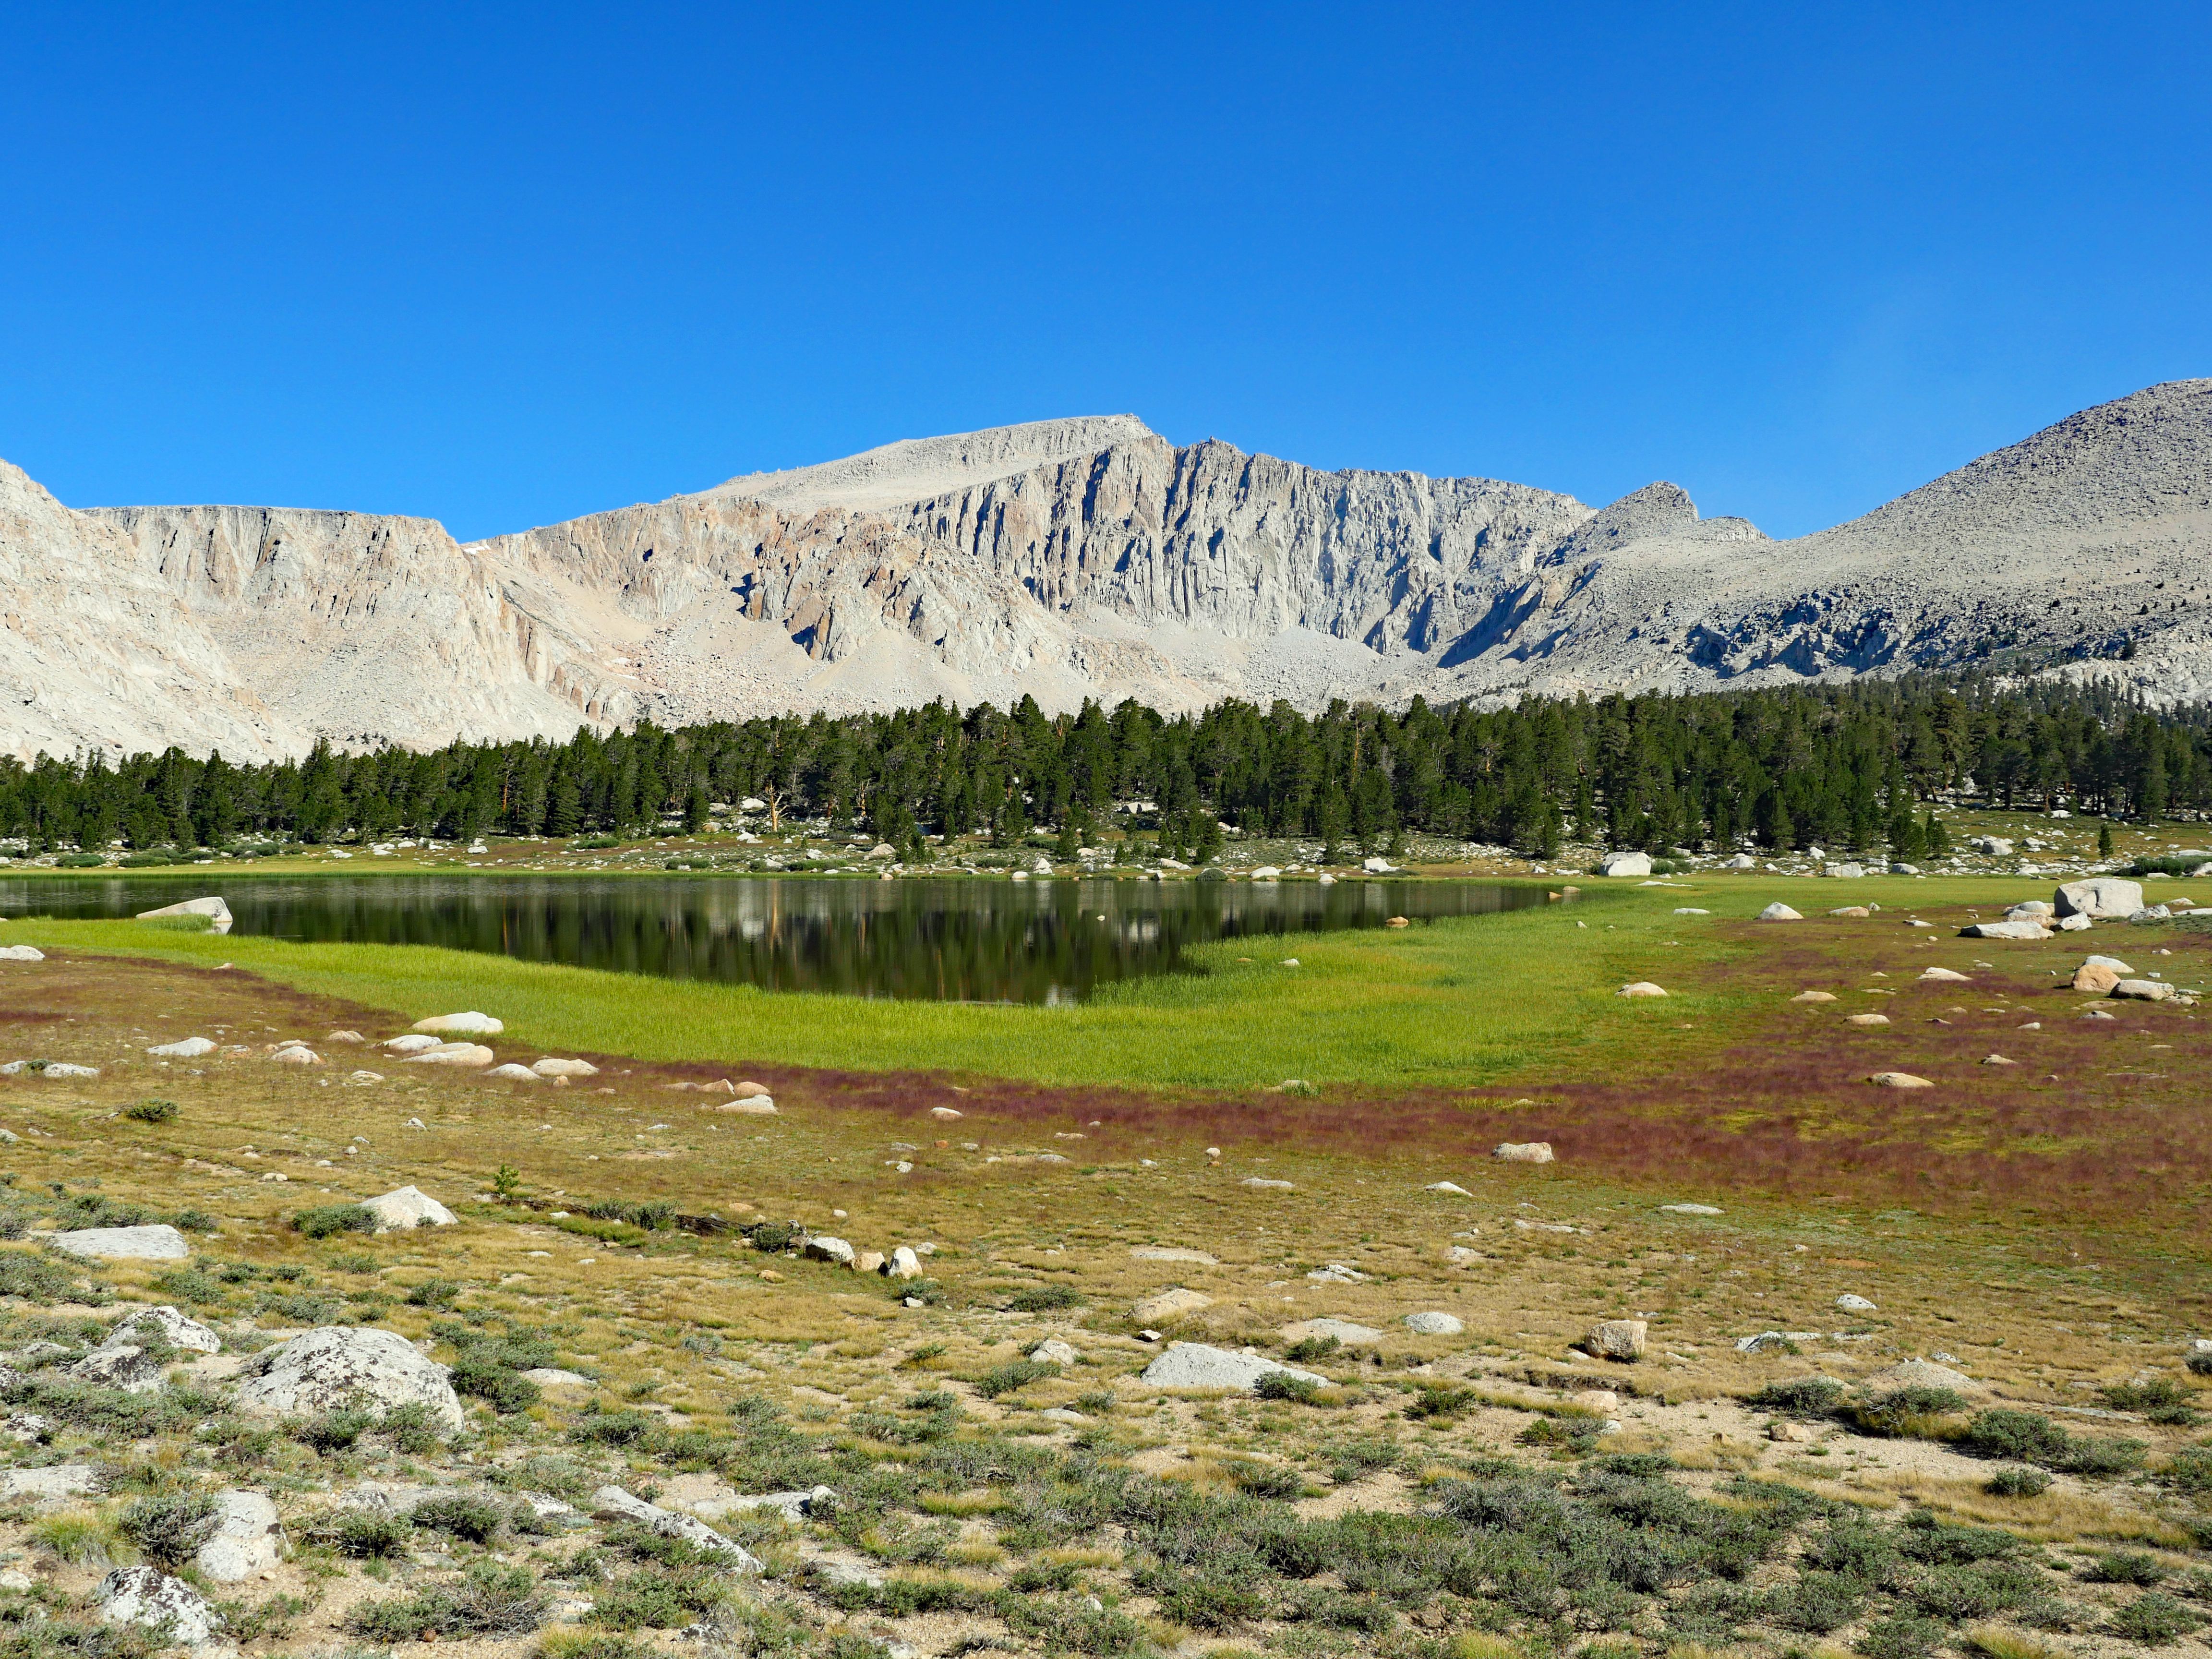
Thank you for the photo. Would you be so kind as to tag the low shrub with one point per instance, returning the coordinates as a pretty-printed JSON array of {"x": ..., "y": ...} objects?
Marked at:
[
  {"x": 2154, "y": 1619},
  {"x": 1902, "y": 1637},
  {"x": 368, "y": 1534},
  {"x": 34, "y": 1279},
  {"x": 328, "y": 1220},
  {"x": 1810, "y": 1398},
  {"x": 1014, "y": 1375},
  {"x": 335, "y": 1430},
  {"x": 2124, "y": 1567},
  {"x": 2189, "y": 1471},
  {"x": 2031, "y": 1438},
  {"x": 2161, "y": 1400},
  {"x": 1309, "y": 1349},
  {"x": 2019, "y": 1482},
  {"x": 151, "y": 1111},
  {"x": 1286, "y": 1385},
  {"x": 168, "y": 1530},
  {"x": 80, "y": 861},
  {"x": 460, "y": 1516},
  {"x": 490, "y": 1600},
  {"x": 1911, "y": 1414},
  {"x": 657, "y": 1598},
  {"x": 1045, "y": 1299}
]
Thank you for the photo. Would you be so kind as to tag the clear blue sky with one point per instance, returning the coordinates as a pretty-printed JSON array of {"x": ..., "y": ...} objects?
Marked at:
[{"x": 505, "y": 266}]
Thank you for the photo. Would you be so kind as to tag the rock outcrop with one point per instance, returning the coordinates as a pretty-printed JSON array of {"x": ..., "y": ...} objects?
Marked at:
[{"x": 338, "y": 1365}]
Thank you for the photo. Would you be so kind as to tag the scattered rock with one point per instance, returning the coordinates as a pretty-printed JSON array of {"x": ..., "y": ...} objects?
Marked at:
[
  {"x": 1920, "y": 1374},
  {"x": 47, "y": 1069},
  {"x": 1625, "y": 864},
  {"x": 1428, "y": 1322},
  {"x": 1898, "y": 1080},
  {"x": 1447, "y": 1187},
  {"x": 1814, "y": 996},
  {"x": 613, "y": 1503},
  {"x": 549, "y": 1067},
  {"x": 1168, "y": 1304},
  {"x": 1854, "y": 911},
  {"x": 216, "y": 912},
  {"x": 1866, "y": 1019},
  {"x": 1850, "y": 1303},
  {"x": 823, "y": 1248},
  {"x": 1779, "y": 912},
  {"x": 1601, "y": 1401},
  {"x": 186, "y": 1048},
  {"x": 407, "y": 1206},
  {"x": 2099, "y": 898},
  {"x": 150, "y": 1599},
  {"x": 946, "y": 1113},
  {"x": 179, "y": 1330},
  {"x": 2144, "y": 990},
  {"x": 1172, "y": 1253},
  {"x": 155, "y": 1243},
  {"x": 452, "y": 1053},
  {"x": 247, "y": 1538},
  {"x": 1846, "y": 872},
  {"x": 2096, "y": 978},
  {"x": 333, "y": 1365},
  {"x": 514, "y": 1073},
  {"x": 1692, "y": 1209},
  {"x": 413, "y": 1043},
  {"x": 552, "y": 1376},
  {"x": 2073, "y": 924},
  {"x": 868, "y": 1262},
  {"x": 1617, "y": 1339},
  {"x": 22, "y": 953},
  {"x": 54, "y": 1481},
  {"x": 1790, "y": 1433},
  {"x": 1197, "y": 1365},
  {"x": 468, "y": 1024},
  {"x": 1058, "y": 1352},
  {"x": 1946, "y": 975},
  {"x": 1343, "y": 1330},
  {"x": 1523, "y": 1151},
  {"x": 1260, "y": 1184},
  {"x": 904, "y": 1264},
  {"x": 1999, "y": 1060},
  {"x": 1336, "y": 1273},
  {"x": 2026, "y": 927},
  {"x": 1642, "y": 988},
  {"x": 343, "y": 1036}
]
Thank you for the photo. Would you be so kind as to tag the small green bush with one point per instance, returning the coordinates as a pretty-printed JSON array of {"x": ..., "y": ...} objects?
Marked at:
[
  {"x": 469, "y": 1518},
  {"x": 490, "y": 1600},
  {"x": 1013, "y": 1374},
  {"x": 369, "y": 1534},
  {"x": 2154, "y": 1619},
  {"x": 169, "y": 1529},
  {"x": 195, "y": 1221},
  {"x": 1045, "y": 1299},
  {"x": 1435, "y": 1400},
  {"x": 1808, "y": 1397},
  {"x": 1900, "y": 1638},
  {"x": 2019, "y": 1482},
  {"x": 433, "y": 1293},
  {"x": 335, "y": 1430},
  {"x": 2162, "y": 1400},
  {"x": 328, "y": 1220},
  {"x": 1286, "y": 1385},
  {"x": 1309, "y": 1349},
  {"x": 79, "y": 861},
  {"x": 2124, "y": 1567},
  {"x": 151, "y": 1111},
  {"x": 34, "y": 1278}
]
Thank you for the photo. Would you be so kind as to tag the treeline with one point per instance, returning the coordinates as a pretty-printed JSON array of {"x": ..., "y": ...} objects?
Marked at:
[{"x": 1851, "y": 766}]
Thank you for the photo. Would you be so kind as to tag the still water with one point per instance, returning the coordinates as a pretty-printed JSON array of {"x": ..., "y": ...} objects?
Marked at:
[{"x": 952, "y": 939}]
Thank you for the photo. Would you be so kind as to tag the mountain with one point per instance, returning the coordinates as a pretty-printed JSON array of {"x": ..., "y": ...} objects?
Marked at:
[{"x": 1085, "y": 557}]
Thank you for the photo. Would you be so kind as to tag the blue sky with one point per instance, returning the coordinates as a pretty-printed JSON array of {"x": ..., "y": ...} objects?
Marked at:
[{"x": 505, "y": 266}]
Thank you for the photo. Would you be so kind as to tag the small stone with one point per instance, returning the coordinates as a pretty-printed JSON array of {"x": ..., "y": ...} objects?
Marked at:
[
  {"x": 1642, "y": 988},
  {"x": 1949, "y": 976},
  {"x": 514, "y": 1073},
  {"x": 1790, "y": 1433},
  {"x": 464, "y": 1055},
  {"x": 2144, "y": 990},
  {"x": 1999, "y": 1060},
  {"x": 1430, "y": 1323},
  {"x": 1866, "y": 1019},
  {"x": 822, "y": 1248},
  {"x": 947, "y": 1113},
  {"x": 1260, "y": 1184},
  {"x": 552, "y": 1066},
  {"x": 468, "y": 1024},
  {"x": 868, "y": 1262},
  {"x": 1601, "y": 1401},
  {"x": 1057, "y": 1352},
  {"x": 247, "y": 1538},
  {"x": 1900, "y": 1080}
]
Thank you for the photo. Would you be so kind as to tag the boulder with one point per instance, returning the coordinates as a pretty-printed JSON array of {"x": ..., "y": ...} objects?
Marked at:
[
  {"x": 22, "y": 953},
  {"x": 1342, "y": 1329},
  {"x": 247, "y": 1538},
  {"x": 869, "y": 1261},
  {"x": 1898, "y": 1080},
  {"x": 1778, "y": 911},
  {"x": 823, "y": 1248},
  {"x": 53, "y": 1481},
  {"x": 904, "y": 1264},
  {"x": 124, "y": 1366},
  {"x": 1428, "y": 1322},
  {"x": 1617, "y": 1339},
  {"x": 1523, "y": 1152},
  {"x": 1172, "y": 1253},
  {"x": 882, "y": 851},
  {"x": 1946, "y": 975},
  {"x": 1850, "y": 1303},
  {"x": 514, "y": 1073},
  {"x": 407, "y": 1206},
  {"x": 2144, "y": 990},
  {"x": 1642, "y": 988},
  {"x": 1452, "y": 1188},
  {"x": 1846, "y": 872},
  {"x": 2113, "y": 962},
  {"x": 1692, "y": 1209},
  {"x": 335, "y": 1365},
  {"x": 1262, "y": 1184},
  {"x": 470, "y": 1055},
  {"x": 1057, "y": 1352},
  {"x": 2073, "y": 924},
  {"x": 1197, "y": 1365},
  {"x": 1866, "y": 1019},
  {"x": 2095, "y": 978},
  {"x": 2029, "y": 907},
  {"x": 2026, "y": 927},
  {"x": 185, "y": 1049},
  {"x": 216, "y": 912},
  {"x": 549, "y": 1067},
  {"x": 1170, "y": 1303},
  {"x": 46, "y": 1068},
  {"x": 552, "y": 1376},
  {"x": 150, "y": 1599},
  {"x": 1602, "y": 1401},
  {"x": 155, "y": 1243},
  {"x": 1853, "y": 911},
  {"x": 179, "y": 1330},
  {"x": 1625, "y": 864},
  {"x": 1919, "y": 1374},
  {"x": 468, "y": 1024},
  {"x": 2098, "y": 897},
  {"x": 412, "y": 1042},
  {"x": 1814, "y": 996},
  {"x": 1268, "y": 872},
  {"x": 1375, "y": 866},
  {"x": 296, "y": 1054},
  {"x": 613, "y": 1503}
]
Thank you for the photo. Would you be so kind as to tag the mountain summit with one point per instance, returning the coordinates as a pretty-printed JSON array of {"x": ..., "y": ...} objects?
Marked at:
[{"x": 1087, "y": 557}]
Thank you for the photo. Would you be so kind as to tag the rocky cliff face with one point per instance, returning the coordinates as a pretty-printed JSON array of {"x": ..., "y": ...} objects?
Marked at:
[{"x": 1080, "y": 558}]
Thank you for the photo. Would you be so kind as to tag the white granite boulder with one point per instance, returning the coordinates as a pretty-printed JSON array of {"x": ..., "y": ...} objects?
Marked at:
[
  {"x": 613, "y": 1503},
  {"x": 155, "y": 1243},
  {"x": 216, "y": 912},
  {"x": 1778, "y": 911},
  {"x": 1198, "y": 1365},
  {"x": 151, "y": 1600},
  {"x": 1625, "y": 864},
  {"x": 337, "y": 1365},
  {"x": 184, "y": 1049},
  {"x": 405, "y": 1207},
  {"x": 2099, "y": 898},
  {"x": 1428, "y": 1322},
  {"x": 468, "y": 1024},
  {"x": 247, "y": 1538}
]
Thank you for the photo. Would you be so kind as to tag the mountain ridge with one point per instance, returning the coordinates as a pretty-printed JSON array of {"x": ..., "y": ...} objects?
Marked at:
[{"x": 1088, "y": 557}]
